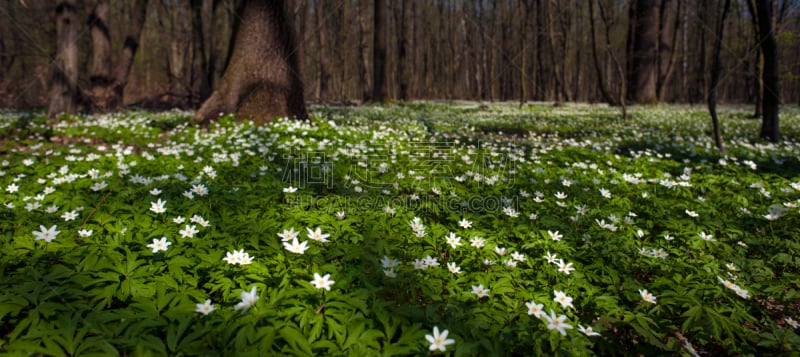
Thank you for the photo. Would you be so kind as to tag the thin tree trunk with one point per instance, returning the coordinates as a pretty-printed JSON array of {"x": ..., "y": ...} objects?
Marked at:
[
  {"x": 64, "y": 92},
  {"x": 414, "y": 63},
  {"x": 540, "y": 44},
  {"x": 379, "y": 93},
  {"x": 578, "y": 78},
  {"x": 363, "y": 58},
  {"x": 643, "y": 74},
  {"x": 564, "y": 21},
  {"x": 716, "y": 68},
  {"x": 322, "y": 73},
  {"x": 5, "y": 57},
  {"x": 179, "y": 15},
  {"x": 344, "y": 61},
  {"x": 452, "y": 75},
  {"x": 759, "y": 64},
  {"x": 668, "y": 41},
  {"x": 480, "y": 58},
  {"x": 558, "y": 91},
  {"x": 770, "y": 128},
  {"x": 402, "y": 44},
  {"x": 492, "y": 70},
  {"x": 685, "y": 55},
  {"x": 100, "y": 77},
  {"x": 600, "y": 81},
  {"x": 699, "y": 84},
  {"x": 523, "y": 42},
  {"x": 131, "y": 44},
  {"x": 620, "y": 71},
  {"x": 202, "y": 63}
]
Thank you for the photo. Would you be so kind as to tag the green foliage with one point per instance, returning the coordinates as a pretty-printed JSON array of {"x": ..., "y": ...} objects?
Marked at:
[{"x": 525, "y": 202}]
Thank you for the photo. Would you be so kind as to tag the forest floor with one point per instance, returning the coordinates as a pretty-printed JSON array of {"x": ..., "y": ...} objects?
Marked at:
[{"x": 371, "y": 230}]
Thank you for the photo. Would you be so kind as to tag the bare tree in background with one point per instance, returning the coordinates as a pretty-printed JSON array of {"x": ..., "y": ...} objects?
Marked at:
[
  {"x": 64, "y": 93},
  {"x": 379, "y": 93},
  {"x": 668, "y": 28},
  {"x": 108, "y": 82},
  {"x": 759, "y": 63},
  {"x": 262, "y": 80},
  {"x": 458, "y": 49},
  {"x": 716, "y": 68},
  {"x": 601, "y": 82},
  {"x": 643, "y": 51},
  {"x": 623, "y": 88},
  {"x": 770, "y": 127},
  {"x": 402, "y": 18},
  {"x": 100, "y": 71}
]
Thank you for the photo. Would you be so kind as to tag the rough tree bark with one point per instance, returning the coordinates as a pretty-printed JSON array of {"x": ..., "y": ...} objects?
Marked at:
[
  {"x": 643, "y": 51},
  {"x": 716, "y": 68},
  {"x": 379, "y": 93},
  {"x": 263, "y": 78},
  {"x": 64, "y": 93},
  {"x": 770, "y": 128}
]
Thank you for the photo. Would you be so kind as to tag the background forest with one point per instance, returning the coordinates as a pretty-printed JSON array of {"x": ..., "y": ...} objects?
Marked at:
[{"x": 478, "y": 50}]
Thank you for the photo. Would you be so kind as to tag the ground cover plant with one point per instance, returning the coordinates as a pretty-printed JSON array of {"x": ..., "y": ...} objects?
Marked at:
[{"x": 414, "y": 229}]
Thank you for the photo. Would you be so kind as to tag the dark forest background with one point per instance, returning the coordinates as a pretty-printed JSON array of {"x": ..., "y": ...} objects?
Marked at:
[{"x": 530, "y": 50}]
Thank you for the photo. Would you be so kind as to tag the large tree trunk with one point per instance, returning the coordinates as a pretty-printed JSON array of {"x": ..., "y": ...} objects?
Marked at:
[
  {"x": 770, "y": 128},
  {"x": 379, "y": 53},
  {"x": 64, "y": 93},
  {"x": 263, "y": 79},
  {"x": 643, "y": 51}
]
